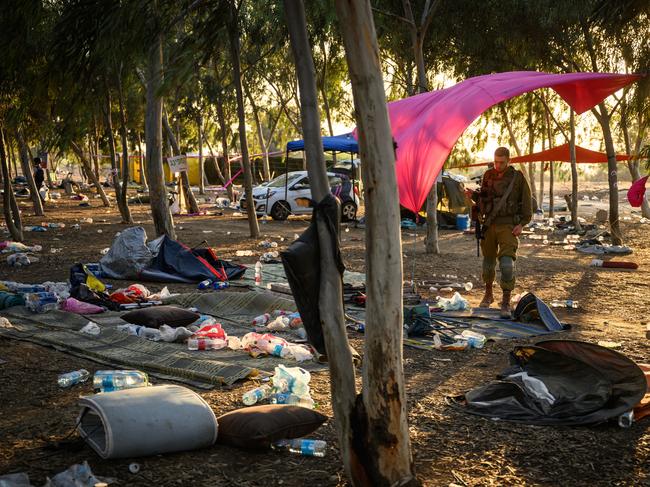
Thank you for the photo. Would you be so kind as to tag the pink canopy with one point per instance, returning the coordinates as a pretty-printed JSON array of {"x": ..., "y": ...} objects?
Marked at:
[{"x": 427, "y": 126}]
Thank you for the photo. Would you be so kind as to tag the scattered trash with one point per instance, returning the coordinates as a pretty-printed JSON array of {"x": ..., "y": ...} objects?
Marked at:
[
  {"x": 609, "y": 344},
  {"x": 81, "y": 307},
  {"x": 105, "y": 251},
  {"x": 455, "y": 303},
  {"x": 34, "y": 228},
  {"x": 55, "y": 251},
  {"x": 41, "y": 302},
  {"x": 302, "y": 446},
  {"x": 267, "y": 244},
  {"x": 117, "y": 380},
  {"x": 5, "y": 323},
  {"x": 244, "y": 253},
  {"x": 270, "y": 257},
  {"x": 254, "y": 395},
  {"x": 20, "y": 260},
  {"x": 91, "y": 328},
  {"x": 78, "y": 476},
  {"x": 134, "y": 468},
  {"x": 71, "y": 378}
]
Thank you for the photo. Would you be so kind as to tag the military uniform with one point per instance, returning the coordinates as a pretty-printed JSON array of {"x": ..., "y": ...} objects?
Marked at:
[{"x": 499, "y": 242}]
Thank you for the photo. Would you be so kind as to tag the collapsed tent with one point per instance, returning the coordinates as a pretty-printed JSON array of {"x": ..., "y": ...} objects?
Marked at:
[
  {"x": 426, "y": 126},
  {"x": 163, "y": 260},
  {"x": 559, "y": 382}
]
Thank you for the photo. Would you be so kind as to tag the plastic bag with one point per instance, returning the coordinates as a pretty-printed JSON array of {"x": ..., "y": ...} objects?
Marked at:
[
  {"x": 455, "y": 303},
  {"x": 75, "y": 306},
  {"x": 91, "y": 328},
  {"x": 169, "y": 334}
]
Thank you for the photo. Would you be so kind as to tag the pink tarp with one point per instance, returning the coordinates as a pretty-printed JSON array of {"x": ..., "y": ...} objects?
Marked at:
[{"x": 427, "y": 126}]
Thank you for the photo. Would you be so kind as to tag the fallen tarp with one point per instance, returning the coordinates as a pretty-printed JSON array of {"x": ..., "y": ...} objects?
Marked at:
[
  {"x": 559, "y": 382},
  {"x": 163, "y": 260},
  {"x": 426, "y": 126}
]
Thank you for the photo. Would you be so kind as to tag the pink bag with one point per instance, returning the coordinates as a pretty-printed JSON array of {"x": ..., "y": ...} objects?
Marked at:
[
  {"x": 75, "y": 306},
  {"x": 636, "y": 193}
]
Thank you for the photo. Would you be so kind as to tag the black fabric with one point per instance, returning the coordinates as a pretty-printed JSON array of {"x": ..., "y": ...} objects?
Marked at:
[
  {"x": 302, "y": 266},
  {"x": 256, "y": 427},
  {"x": 39, "y": 177},
  {"x": 80, "y": 291},
  {"x": 177, "y": 263},
  {"x": 589, "y": 384},
  {"x": 531, "y": 308},
  {"x": 157, "y": 316}
]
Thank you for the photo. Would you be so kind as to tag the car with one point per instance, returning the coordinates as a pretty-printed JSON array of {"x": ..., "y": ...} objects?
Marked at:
[{"x": 272, "y": 199}]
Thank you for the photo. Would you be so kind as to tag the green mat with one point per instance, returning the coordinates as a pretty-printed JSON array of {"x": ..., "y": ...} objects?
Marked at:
[{"x": 172, "y": 361}]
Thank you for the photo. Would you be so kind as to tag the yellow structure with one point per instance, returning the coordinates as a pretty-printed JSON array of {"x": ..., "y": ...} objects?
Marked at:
[{"x": 135, "y": 169}]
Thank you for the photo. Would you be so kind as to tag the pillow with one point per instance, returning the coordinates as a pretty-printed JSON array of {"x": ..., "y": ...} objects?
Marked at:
[
  {"x": 257, "y": 427},
  {"x": 156, "y": 316}
]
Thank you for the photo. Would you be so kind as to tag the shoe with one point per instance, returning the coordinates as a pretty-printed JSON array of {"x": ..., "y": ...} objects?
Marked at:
[
  {"x": 505, "y": 311},
  {"x": 488, "y": 298}
]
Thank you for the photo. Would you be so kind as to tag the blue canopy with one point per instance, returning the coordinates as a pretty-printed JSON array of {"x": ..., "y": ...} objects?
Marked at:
[{"x": 341, "y": 143}]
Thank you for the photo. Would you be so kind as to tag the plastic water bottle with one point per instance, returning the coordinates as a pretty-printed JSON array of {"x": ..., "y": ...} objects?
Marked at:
[
  {"x": 258, "y": 273},
  {"x": 254, "y": 395},
  {"x": 41, "y": 302},
  {"x": 261, "y": 320},
  {"x": 474, "y": 340},
  {"x": 116, "y": 380},
  {"x": 302, "y": 446},
  {"x": 218, "y": 285},
  {"x": 205, "y": 284},
  {"x": 72, "y": 378},
  {"x": 198, "y": 343},
  {"x": 294, "y": 399}
]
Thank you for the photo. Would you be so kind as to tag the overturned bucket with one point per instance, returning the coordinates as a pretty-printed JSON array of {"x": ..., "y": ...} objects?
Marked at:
[{"x": 146, "y": 421}]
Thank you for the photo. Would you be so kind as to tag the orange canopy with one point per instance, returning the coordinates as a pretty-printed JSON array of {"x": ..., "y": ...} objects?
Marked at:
[{"x": 561, "y": 154}]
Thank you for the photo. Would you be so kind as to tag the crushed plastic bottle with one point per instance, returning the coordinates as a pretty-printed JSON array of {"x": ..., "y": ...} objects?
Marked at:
[
  {"x": 204, "y": 284},
  {"x": 258, "y": 273},
  {"x": 568, "y": 303},
  {"x": 302, "y": 446},
  {"x": 255, "y": 395},
  {"x": 116, "y": 380},
  {"x": 72, "y": 378},
  {"x": 293, "y": 399}
]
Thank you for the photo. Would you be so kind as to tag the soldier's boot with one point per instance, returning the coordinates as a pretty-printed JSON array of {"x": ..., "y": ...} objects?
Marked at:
[
  {"x": 506, "y": 311},
  {"x": 488, "y": 297}
]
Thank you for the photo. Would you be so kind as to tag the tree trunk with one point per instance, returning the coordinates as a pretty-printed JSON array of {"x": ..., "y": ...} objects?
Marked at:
[
  {"x": 531, "y": 149},
  {"x": 331, "y": 297},
  {"x": 199, "y": 127},
  {"x": 551, "y": 172},
  {"x": 143, "y": 167},
  {"x": 190, "y": 200},
  {"x": 160, "y": 212},
  {"x": 124, "y": 207},
  {"x": 214, "y": 158},
  {"x": 13, "y": 159},
  {"x": 233, "y": 31},
  {"x": 25, "y": 163},
  {"x": 322, "y": 87},
  {"x": 574, "y": 172},
  {"x": 541, "y": 173},
  {"x": 612, "y": 175},
  {"x": 87, "y": 166},
  {"x": 108, "y": 119},
  {"x": 224, "y": 147},
  {"x": 380, "y": 452},
  {"x": 266, "y": 169},
  {"x": 93, "y": 145},
  {"x": 633, "y": 165},
  {"x": 9, "y": 204},
  {"x": 431, "y": 242}
]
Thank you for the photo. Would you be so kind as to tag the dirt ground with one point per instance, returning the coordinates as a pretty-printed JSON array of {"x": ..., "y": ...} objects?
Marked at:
[{"x": 449, "y": 448}]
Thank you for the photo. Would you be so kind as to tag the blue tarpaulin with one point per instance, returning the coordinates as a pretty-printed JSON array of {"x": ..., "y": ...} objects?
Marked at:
[{"x": 341, "y": 143}]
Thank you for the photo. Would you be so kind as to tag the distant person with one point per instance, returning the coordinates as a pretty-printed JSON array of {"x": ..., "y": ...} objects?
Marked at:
[
  {"x": 39, "y": 175},
  {"x": 504, "y": 208}
]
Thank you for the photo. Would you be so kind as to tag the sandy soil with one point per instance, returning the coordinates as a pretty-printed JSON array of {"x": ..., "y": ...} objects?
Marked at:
[{"x": 37, "y": 418}]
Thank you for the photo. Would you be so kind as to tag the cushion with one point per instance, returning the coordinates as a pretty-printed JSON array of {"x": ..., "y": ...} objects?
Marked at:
[
  {"x": 156, "y": 316},
  {"x": 257, "y": 427}
]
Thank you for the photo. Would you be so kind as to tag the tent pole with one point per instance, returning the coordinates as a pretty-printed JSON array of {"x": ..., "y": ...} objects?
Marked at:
[{"x": 286, "y": 176}]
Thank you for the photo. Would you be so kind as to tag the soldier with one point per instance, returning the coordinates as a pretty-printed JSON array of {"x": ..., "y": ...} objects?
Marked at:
[{"x": 504, "y": 208}]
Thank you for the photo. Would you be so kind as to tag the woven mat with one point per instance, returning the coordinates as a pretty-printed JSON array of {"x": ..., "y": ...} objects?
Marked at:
[{"x": 172, "y": 361}]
